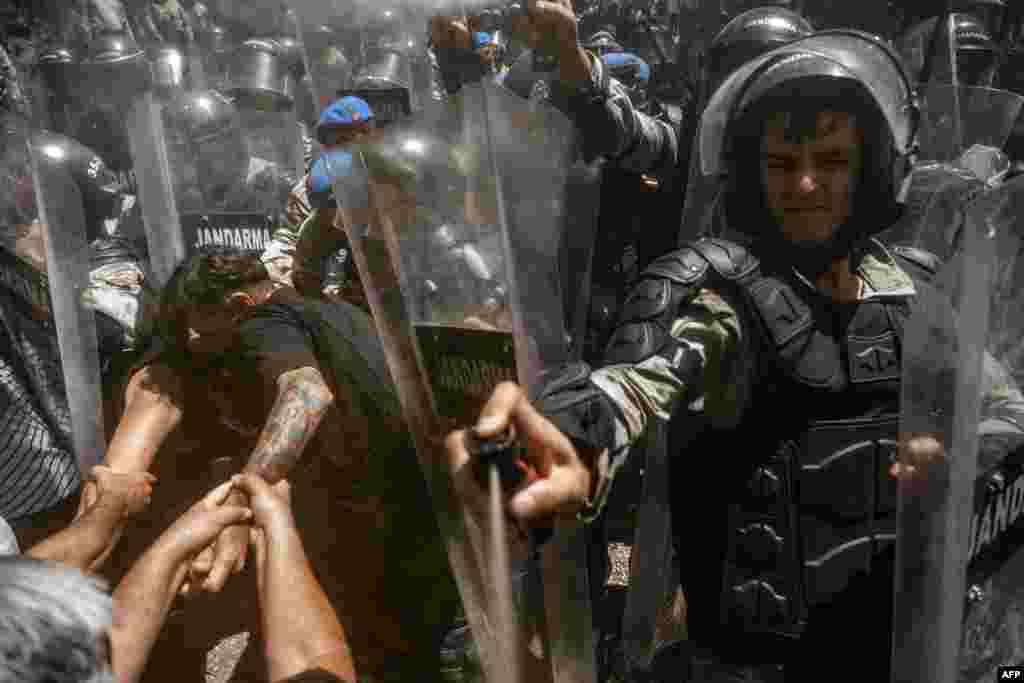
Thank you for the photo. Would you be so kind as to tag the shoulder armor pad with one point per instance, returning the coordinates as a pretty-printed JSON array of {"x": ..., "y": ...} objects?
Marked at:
[
  {"x": 730, "y": 260},
  {"x": 649, "y": 299},
  {"x": 689, "y": 265},
  {"x": 919, "y": 257},
  {"x": 684, "y": 266}
]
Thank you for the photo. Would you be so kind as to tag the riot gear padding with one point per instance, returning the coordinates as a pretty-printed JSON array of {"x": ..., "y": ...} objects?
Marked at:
[
  {"x": 750, "y": 35},
  {"x": 665, "y": 286},
  {"x": 101, "y": 190},
  {"x": 976, "y": 50},
  {"x": 833, "y": 70}
]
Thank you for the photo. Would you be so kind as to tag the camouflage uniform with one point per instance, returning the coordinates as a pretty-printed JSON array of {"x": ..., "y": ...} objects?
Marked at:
[{"x": 711, "y": 326}]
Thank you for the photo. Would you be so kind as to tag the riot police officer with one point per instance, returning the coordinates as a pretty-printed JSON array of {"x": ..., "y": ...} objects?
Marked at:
[
  {"x": 744, "y": 38},
  {"x": 320, "y": 255},
  {"x": 812, "y": 143}
]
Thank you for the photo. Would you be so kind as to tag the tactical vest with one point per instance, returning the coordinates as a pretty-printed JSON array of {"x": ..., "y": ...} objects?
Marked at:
[{"x": 778, "y": 517}]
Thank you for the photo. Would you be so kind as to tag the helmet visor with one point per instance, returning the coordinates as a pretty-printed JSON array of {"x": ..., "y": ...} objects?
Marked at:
[{"x": 848, "y": 55}]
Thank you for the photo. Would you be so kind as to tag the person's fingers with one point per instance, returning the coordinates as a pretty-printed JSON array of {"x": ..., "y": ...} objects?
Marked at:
[
  {"x": 460, "y": 467},
  {"x": 217, "y": 496},
  {"x": 559, "y": 493},
  {"x": 542, "y": 437},
  {"x": 496, "y": 415},
  {"x": 231, "y": 548},
  {"x": 251, "y": 484},
  {"x": 218, "y": 576},
  {"x": 228, "y": 515},
  {"x": 203, "y": 562}
]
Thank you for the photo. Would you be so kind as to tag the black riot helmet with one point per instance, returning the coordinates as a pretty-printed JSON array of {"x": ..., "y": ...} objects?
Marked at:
[
  {"x": 991, "y": 13},
  {"x": 841, "y": 70},
  {"x": 101, "y": 191},
  {"x": 750, "y": 35},
  {"x": 976, "y": 51}
]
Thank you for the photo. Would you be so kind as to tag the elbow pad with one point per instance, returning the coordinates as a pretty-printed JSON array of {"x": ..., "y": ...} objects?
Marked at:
[{"x": 577, "y": 407}]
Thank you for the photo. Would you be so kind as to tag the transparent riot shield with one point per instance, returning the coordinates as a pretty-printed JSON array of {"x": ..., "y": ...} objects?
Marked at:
[
  {"x": 263, "y": 80},
  {"x": 956, "y": 118},
  {"x": 461, "y": 263},
  {"x": 935, "y": 198},
  {"x": 958, "y": 587},
  {"x": 456, "y": 218},
  {"x": 36, "y": 422},
  {"x": 231, "y": 165},
  {"x": 66, "y": 266},
  {"x": 952, "y": 170},
  {"x": 993, "y": 632}
]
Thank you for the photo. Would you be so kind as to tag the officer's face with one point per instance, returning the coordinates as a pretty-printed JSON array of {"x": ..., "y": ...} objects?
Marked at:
[{"x": 809, "y": 182}]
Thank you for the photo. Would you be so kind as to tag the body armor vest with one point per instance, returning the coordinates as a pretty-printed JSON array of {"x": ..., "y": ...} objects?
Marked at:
[{"x": 802, "y": 517}]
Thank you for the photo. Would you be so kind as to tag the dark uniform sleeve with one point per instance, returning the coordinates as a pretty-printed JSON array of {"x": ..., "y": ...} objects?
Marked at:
[
  {"x": 702, "y": 366},
  {"x": 612, "y": 128}
]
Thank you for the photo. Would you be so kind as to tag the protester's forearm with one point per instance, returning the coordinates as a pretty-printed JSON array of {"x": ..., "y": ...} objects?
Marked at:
[
  {"x": 302, "y": 401},
  {"x": 299, "y": 624},
  {"x": 141, "y": 603},
  {"x": 87, "y": 541},
  {"x": 152, "y": 412}
]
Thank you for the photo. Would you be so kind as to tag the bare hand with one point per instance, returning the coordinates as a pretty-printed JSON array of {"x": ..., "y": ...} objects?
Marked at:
[
  {"x": 549, "y": 25},
  {"x": 920, "y": 458},
  {"x": 205, "y": 521},
  {"x": 227, "y": 558},
  {"x": 133, "y": 490},
  {"x": 448, "y": 32},
  {"x": 563, "y": 481},
  {"x": 90, "y": 494},
  {"x": 271, "y": 505},
  {"x": 333, "y": 294}
]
